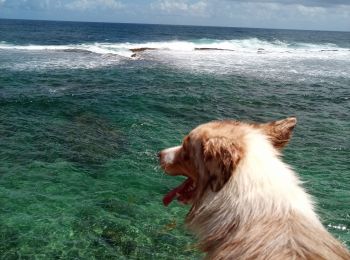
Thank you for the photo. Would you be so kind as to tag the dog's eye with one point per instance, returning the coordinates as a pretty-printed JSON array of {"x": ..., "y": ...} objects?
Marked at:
[{"x": 186, "y": 156}]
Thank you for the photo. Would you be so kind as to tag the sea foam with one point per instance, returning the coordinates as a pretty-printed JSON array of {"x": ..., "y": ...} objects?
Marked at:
[
  {"x": 250, "y": 45},
  {"x": 251, "y": 56}
]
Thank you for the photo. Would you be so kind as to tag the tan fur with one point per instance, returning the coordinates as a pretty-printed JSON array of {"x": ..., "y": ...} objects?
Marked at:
[{"x": 248, "y": 204}]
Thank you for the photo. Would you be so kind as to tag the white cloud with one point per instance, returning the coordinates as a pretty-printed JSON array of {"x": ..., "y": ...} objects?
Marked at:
[
  {"x": 300, "y": 14},
  {"x": 277, "y": 15},
  {"x": 181, "y": 7},
  {"x": 32, "y": 4},
  {"x": 83, "y": 5},
  {"x": 310, "y": 11},
  {"x": 344, "y": 11},
  {"x": 256, "y": 13},
  {"x": 171, "y": 6},
  {"x": 320, "y": 3},
  {"x": 199, "y": 7}
]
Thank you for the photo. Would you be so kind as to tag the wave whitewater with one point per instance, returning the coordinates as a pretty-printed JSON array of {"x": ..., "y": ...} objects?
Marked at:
[
  {"x": 252, "y": 56},
  {"x": 128, "y": 50}
]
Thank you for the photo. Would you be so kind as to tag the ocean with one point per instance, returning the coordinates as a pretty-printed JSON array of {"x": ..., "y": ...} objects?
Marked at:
[{"x": 84, "y": 111}]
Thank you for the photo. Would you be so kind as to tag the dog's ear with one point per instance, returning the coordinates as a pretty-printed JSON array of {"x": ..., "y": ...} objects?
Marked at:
[
  {"x": 220, "y": 158},
  {"x": 279, "y": 132}
]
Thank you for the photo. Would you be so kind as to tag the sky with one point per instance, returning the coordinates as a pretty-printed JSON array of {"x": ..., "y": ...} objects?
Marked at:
[{"x": 286, "y": 14}]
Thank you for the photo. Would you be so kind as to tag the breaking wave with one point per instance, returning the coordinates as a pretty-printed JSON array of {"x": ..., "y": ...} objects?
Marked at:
[
  {"x": 251, "y": 45},
  {"x": 252, "y": 56}
]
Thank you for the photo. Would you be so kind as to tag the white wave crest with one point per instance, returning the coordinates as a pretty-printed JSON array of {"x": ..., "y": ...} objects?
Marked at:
[
  {"x": 267, "y": 59},
  {"x": 251, "y": 45}
]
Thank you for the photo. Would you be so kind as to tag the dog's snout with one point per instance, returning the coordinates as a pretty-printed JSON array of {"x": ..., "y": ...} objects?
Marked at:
[{"x": 168, "y": 156}]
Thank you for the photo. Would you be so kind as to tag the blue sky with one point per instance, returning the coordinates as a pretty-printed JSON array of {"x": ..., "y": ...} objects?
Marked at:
[{"x": 290, "y": 14}]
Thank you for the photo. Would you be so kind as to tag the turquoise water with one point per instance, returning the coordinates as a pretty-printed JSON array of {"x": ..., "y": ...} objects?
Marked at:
[{"x": 79, "y": 176}]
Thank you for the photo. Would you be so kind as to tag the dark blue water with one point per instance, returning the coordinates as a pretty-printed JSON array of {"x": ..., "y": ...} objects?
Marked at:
[
  {"x": 51, "y": 32},
  {"x": 82, "y": 119}
]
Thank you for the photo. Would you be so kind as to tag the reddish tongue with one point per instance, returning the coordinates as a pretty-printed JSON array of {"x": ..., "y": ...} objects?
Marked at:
[{"x": 170, "y": 196}]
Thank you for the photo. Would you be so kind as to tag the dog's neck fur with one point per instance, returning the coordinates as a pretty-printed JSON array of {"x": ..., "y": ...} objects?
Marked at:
[{"x": 261, "y": 209}]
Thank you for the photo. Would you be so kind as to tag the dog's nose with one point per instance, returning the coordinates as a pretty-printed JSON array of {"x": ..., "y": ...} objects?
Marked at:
[{"x": 159, "y": 155}]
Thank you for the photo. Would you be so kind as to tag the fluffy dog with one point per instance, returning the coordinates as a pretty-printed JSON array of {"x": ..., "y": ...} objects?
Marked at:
[{"x": 246, "y": 202}]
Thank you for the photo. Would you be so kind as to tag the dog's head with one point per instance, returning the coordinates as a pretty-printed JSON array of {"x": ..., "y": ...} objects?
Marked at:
[{"x": 210, "y": 153}]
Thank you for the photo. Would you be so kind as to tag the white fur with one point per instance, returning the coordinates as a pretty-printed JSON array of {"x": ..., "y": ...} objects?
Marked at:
[
  {"x": 262, "y": 212},
  {"x": 169, "y": 154},
  {"x": 263, "y": 177},
  {"x": 262, "y": 185}
]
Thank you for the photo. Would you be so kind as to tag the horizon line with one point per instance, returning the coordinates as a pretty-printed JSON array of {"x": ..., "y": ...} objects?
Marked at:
[{"x": 165, "y": 24}]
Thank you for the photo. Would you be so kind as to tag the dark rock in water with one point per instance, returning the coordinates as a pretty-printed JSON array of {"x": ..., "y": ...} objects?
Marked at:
[
  {"x": 211, "y": 49},
  {"x": 261, "y": 49},
  {"x": 85, "y": 139},
  {"x": 135, "y": 50},
  {"x": 133, "y": 55},
  {"x": 78, "y": 51},
  {"x": 328, "y": 50},
  {"x": 118, "y": 206},
  {"x": 92, "y": 140}
]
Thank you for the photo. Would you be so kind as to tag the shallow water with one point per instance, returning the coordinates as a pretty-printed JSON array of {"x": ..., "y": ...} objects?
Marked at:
[{"x": 80, "y": 131}]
